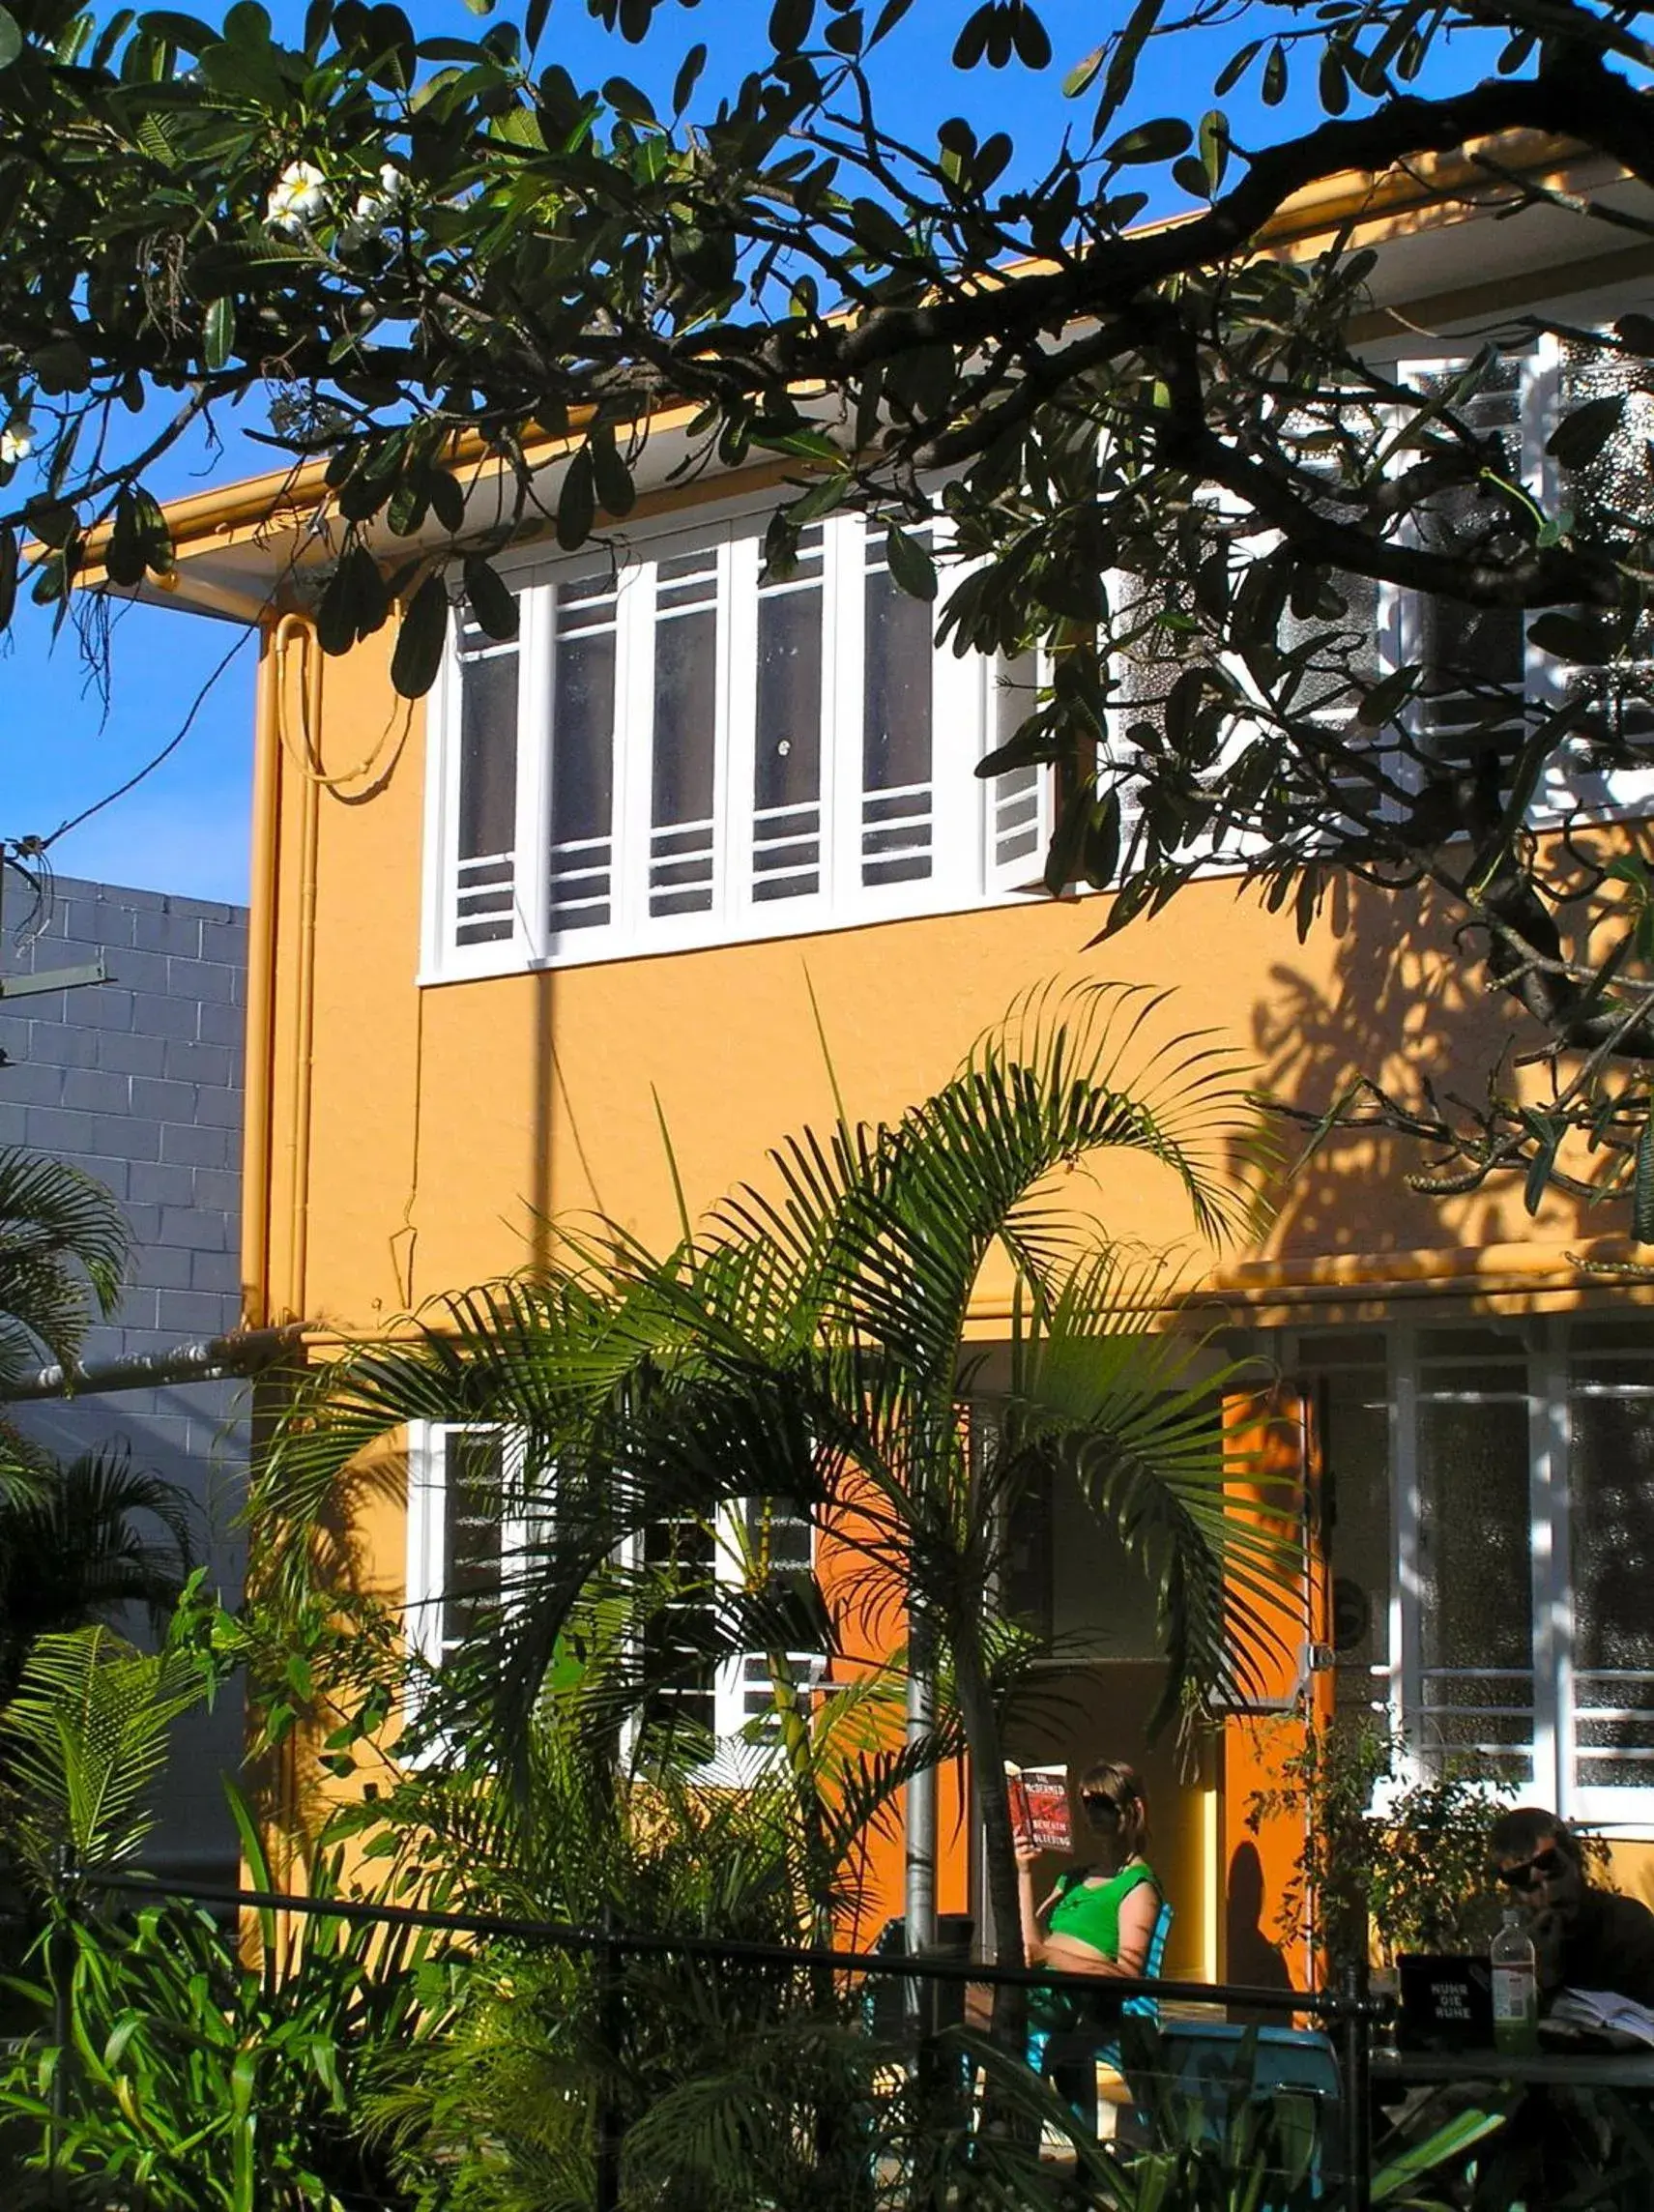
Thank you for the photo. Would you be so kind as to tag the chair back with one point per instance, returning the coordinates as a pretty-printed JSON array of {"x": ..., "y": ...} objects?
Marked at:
[{"x": 1149, "y": 2007}]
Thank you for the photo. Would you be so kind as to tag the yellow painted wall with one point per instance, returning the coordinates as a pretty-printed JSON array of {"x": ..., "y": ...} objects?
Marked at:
[{"x": 421, "y": 1140}]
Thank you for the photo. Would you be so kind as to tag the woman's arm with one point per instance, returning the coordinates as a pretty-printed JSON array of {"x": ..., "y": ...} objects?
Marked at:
[{"x": 1034, "y": 1950}]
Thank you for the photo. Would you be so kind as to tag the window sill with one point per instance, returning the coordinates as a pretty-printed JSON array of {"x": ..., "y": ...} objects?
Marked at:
[{"x": 460, "y": 969}]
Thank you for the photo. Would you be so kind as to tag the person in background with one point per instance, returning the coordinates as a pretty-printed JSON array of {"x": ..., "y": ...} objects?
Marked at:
[
  {"x": 1100, "y": 1918},
  {"x": 1584, "y": 1938}
]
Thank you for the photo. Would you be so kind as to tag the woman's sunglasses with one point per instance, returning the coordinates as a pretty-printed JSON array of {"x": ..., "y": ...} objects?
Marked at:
[
  {"x": 1101, "y": 1809},
  {"x": 1540, "y": 1868}
]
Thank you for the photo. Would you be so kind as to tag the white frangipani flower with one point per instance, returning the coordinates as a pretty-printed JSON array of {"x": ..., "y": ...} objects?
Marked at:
[
  {"x": 297, "y": 197},
  {"x": 373, "y": 210},
  {"x": 17, "y": 443}
]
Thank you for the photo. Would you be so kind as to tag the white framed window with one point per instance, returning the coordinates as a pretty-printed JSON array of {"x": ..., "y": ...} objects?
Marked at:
[
  {"x": 460, "y": 1551},
  {"x": 1490, "y": 1510},
  {"x": 679, "y": 749},
  {"x": 459, "y": 1542},
  {"x": 1474, "y": 651}
]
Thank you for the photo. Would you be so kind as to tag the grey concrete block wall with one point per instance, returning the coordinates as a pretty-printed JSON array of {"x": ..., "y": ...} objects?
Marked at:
[{"x": 139, "y": 1081}]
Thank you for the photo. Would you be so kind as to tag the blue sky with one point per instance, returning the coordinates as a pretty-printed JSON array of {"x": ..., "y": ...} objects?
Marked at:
[{"x": 186, "y": 828}]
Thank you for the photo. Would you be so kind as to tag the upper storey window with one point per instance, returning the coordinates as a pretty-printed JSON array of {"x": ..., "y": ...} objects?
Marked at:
[{"x": 681, "y": 750}]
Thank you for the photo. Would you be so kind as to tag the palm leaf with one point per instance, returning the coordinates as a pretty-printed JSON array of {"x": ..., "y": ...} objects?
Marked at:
[
  {"x": 87, "y": 1737},
  {"x": 63, "y": 1246}
]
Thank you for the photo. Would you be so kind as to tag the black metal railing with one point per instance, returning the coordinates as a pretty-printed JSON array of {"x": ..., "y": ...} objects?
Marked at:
[{"x": 1349, "y": 2015}]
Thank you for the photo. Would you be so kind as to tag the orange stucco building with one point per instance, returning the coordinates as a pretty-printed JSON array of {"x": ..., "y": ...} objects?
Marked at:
[{"x": 611, "y": 874}]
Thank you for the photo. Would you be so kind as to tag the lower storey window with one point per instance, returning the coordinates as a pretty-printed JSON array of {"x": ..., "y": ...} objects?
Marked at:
[
  {"x": 467, "y": 1528},
  {"x": 1489, "y": 1508}
]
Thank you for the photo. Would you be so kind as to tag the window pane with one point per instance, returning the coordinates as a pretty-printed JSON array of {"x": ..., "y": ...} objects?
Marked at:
[
  {"x": 787, "y": 775},
  {"x": 895, "y": 728},
  {"x": 473, "y": 1472},
  {"x": 1471, "y": 654},
  {"x": 1611, "y": 1507},
  {"x": 487, "y": 824},
  {"x": 679, "y": 1669},
  {"x": 1016, "y": 793},
  {"x": 686, "y": 734},
  {"x": 1475, "y": 1595},
  {"x": 1356, "y": 1455},
  {"x": 1611, "y": 494},
  {"x": 583, "y": 755},
  {"x": 780, "y": 1535}
]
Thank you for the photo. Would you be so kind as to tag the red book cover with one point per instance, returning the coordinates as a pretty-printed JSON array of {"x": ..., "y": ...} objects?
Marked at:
[{"x": 1039, "y": 1807}]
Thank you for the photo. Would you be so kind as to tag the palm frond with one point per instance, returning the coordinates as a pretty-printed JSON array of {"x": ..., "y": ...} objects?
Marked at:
[
  {"x": 87, "y": 1737},
  {"x": 83, "y": 1540},
  {"x": 63, "y": 1247}
]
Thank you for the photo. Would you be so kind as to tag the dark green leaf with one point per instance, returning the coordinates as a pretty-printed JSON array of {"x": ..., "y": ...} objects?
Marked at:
[
  {"x": 448, "y": 499},
  {"x": 790, "y": 24},
  {"x": 11, "y": 39},
  {"x": 1580, "y": 436},
  {"x": 1161, "y": 140},
  {"x": 9, "y": 563},
  {"x": 1643, "y": 1187},
  {"x": 612, "y": 479},
  {"x": 1515, "y": 53},
  {"x": 1190, "y": 176},
  {"x": 688, "y": 76},
  {"x": 627, "y": 101},
  {"x": 421, "y": 640},
  {"x": 1031, "y": 39},
  {"x": 912, "y": 568},
  {"x": 220, "y": 331},
  {"x": 52, "y": 522},
  {"x": 971, "y": 42},
  {"x": 1237, "y": 67},
  {"x": 1569, "y": 637},
  {"x": 878, "y": 231},
  {"x": 492, "y": 601},
  {"x": 1548, "y": 1134},
  {"x": 886, "y": 19},
  {"x": 577, "y": 502},
  {"x": 1275, "y": 75},
  {"x": 1386, "y": 698},
  {"x": 1213, "y": 143},
  {"x": 1123, "y": 63},
  {"x": 1334, "y": 84}
]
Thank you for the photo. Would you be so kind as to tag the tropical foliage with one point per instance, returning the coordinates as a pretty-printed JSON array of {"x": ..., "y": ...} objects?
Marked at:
[
  {"x": 86, "y": 1741},
  {"x": 1393, "y": 1859},
  {"x": 81, "y": 1542},
  {"x": 63, "y": 1251},
  {"x": 806, "y": 1350},
  {"x": 418, "y": 260}
]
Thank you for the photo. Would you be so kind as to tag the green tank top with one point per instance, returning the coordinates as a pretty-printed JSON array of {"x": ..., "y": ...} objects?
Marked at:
[{"x": 1090, "y": 1912}]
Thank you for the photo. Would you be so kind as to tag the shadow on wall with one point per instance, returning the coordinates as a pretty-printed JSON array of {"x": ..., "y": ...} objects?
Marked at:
[
  {"x": 1251, "y": 1959},
  {"x": 1391, "y": 999}
]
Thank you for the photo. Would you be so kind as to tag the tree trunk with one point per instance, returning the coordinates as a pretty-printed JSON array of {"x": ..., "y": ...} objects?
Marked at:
[{"x": 986, "y": 1743}]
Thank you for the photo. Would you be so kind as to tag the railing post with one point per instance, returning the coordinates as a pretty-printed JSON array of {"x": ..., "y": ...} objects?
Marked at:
[
  {"x": 610, "y": 2030},
  {"x": 1356, "y": 2028}
]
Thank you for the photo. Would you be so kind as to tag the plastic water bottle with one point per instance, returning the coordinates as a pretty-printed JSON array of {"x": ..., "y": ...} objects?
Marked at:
[{"x": 1516, "y": 1987}]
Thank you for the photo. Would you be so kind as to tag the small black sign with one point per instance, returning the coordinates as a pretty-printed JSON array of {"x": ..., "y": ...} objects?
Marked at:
[{"x": 1447, "y": 2004}]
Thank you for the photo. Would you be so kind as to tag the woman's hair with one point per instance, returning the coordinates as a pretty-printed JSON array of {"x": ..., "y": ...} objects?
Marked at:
[{"x": 1111, "y": 1784}]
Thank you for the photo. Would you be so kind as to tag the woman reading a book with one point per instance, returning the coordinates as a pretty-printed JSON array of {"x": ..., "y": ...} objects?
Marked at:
[{"x": 1100, "y": 1918}]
